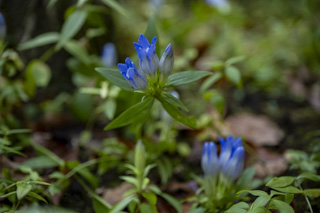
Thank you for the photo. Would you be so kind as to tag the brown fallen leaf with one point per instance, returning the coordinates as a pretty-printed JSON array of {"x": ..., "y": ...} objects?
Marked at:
[
  {"x": 270, "y": 163},
  {"x": 115, "y": 195},
  {"x": 258, "y": 129}
]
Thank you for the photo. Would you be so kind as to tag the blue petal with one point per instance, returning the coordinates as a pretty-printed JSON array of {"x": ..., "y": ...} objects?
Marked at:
[
  {"x": 123, "y": 69},
  {"x": 213, "y": 160},
  {"x": 142, "y": 54},
  {"x": 154, "y": 41},
  {"x": 235, "y": 165},
  {"x": 166, "y": 61},
  {"x": 130, "y": 77},
  {"x": 237, "y": 142},
  {"x": 137, "y": 46},
  {"x": 209, "y": 159},
  {"x": 226, "y": 152},
  {"x": 143, "y": 41},
  {"x": 129, "y": 62},
  {"x": 205, "y": 159}
]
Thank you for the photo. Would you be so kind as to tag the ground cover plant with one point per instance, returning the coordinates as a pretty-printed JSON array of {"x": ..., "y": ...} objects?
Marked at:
[{"x": 159, "y": 106}]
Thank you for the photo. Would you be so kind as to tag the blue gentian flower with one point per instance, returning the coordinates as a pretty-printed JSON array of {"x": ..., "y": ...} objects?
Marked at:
[
  {"x": 231, "y": 158},
  {"x": 3, "y": 27},
  {"x": 230, "y": 161},
  {"x": 149, "y": 63},
  {"x": 209, "y": 160},
  {"x": 133, "y": 74},
  {"x": 148, "y": 59},
  {"x": 109, "y": 55},
  {"x": 166, "y": 61}
]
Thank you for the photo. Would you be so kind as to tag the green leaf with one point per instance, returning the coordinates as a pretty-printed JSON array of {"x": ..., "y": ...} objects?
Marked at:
[
  {"x": 51, "y": 3},
  {"x": 145, "y": 182},
  {"x": 210, "y": 81},
  {"x": 40, "y": 40},
  {"x": 234, "y": 60},
  {"x": 78, "y": 51},
  {"x": 23, "y": 189},
  {"x": 309, "y": 175},
  {"x": 151, "y": 30},
  {"x": 80, "y": 3},
  {"x": 288, "y": 189},
  {"x": 53, "y": 189},
  {"x": 216, "y": 98},
  {"x": 272, "y": 193},
  {"x": 165, "y": 169},
  {"x": 280, "y": 181},
  {"x": 18, "y": 131},
  {"x": 115, "y": 77},
  {"x": 130, "y": 180},
  {"x": 216, "y": 65},
  {"x": 71, "y": 27},
  {"x": 40, "y": 182},
  {"x": 312, "y": 192},
  {"x": 174, "y": 202},
  {"x": 283, "y": 207},
  {"x": 110, "y": 107},
  {"x": 238, "y": 208},
  {"x": 244, "y": 181},
  {"x": 48, "y": 153},
  {"x": 12, "y": 150},
  {"x": 44, "y": 209},
  {"x": 173, "y": 100},
  {"x": 57, "y": 175},
  {"x": 130, "y": 192},
  {"x": 258, "y": 193},
  {"x": 84, "y": 172},
  {"x": 40, "y": 162},
  {"x": 151, "y": 197},
  {"x": 147, "y": 208},
  {"x": 37, "y": 74},
  {"x": 197, "y": 210},
  {"x": 36, "y": 196},
  {"x": 147, "y": 169},
  {"x": 177, "y": 115},
  {"x": 185, "y": 77},
  {"x": 288, "y": 198},
  {"x": 7, "y": 195},
  {"x": 260, "y": 209},
  {"x": 132, "y": 114},
  {"x": 233, "y": 75},
  {"x": 261, "y": 201},
  {"x": 95, "y": 32},
  {"x": 116, "y": 6},
  {"x": 99, "y": 204},
  {"x": 121, "y": 205}
]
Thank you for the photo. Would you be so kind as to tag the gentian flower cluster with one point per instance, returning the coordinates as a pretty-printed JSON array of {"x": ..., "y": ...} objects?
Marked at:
[
  {"x": 148, "y": 62},
  {"x": 229, "y": 163}
]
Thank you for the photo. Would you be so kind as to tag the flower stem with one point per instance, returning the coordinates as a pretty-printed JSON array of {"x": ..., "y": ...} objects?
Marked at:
[{"x": 307, "y": 199}]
